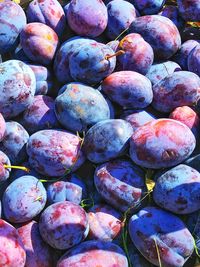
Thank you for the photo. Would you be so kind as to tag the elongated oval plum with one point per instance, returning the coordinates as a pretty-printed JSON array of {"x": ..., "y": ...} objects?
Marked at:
[
  {"x": 38, "y": 253},
  {"x": 2, "y": 126},
  {"x": 40, "y": 114},
  {"x": 160, "y": 32},
  {"x": 63, "y": 225},
  {"x": 39, "y": 42},
  {"x": 11, "y": 247},
  {"x": 128, "y": 89},
  {"x": 178, "y": 190},
  {"x": 181, "y": 88},
  {"x": 53, "y": 152},
  {"x": 120, "y": 183},
  {"x": 189, "y": 9},
  {"x": 13, "y": 20},
  {"x": 107, "y": 140},
  {"x": 94, "y": 253},
  {"x": 171, "y": 12},
  {"x": 154, "y": 229},
  {"x": 194, "y": 60},
  {"x": 4, "y": 172},
  {"x": 120, "y": 15},
  {"x": 24, "y": 199},
  {"x": 87, "y": 18},
  {"x": 79, "y": 106},
  {"x": 17, "y": 87},
  {"x": 48, "y": 12},
  {"x": 161, "y": 143}
]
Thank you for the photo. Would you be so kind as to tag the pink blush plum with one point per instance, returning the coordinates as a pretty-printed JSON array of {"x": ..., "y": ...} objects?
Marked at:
[
  {"x": 2, "y": 126},
  {"x": 12, "y": 252},
  {"x": 161, "y": 143},
  {"x": 63, "y": 225},
  {"x": 39, "y": 42}
]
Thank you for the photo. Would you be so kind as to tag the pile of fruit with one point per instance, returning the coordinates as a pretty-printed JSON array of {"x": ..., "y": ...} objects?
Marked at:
[{"x": 99, "y": 133}]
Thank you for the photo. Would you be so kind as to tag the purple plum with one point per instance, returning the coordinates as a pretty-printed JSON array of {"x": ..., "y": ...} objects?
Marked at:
[
  {"x": 194, "y": 60},
  {"x": 172, "y": 13},
  {"x": 148, "y": 7},
  {"x": 2, "y": 126},
  {"x": 189, "y": 9},
  {"x": 4, "y": 172}
]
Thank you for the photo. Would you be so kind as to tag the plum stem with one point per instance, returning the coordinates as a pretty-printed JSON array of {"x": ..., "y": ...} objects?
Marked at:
[
  {"x": 121, "y": 34},
  {"x": 158, "y": 253},
  {"x": 87, "y": 203},
  {"x": 118, "y": 53},
  {"x": 16, "y": 167}
]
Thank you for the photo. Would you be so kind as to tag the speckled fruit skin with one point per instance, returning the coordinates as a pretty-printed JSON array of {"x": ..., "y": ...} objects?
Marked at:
[
  {"x": 79, "y": 106},
  {"x": 2, "y": 126},
  {"x": 40, "y": 114},
  {"x": 39, "y": 42},
  {"x": 38, "y": 253},
  {"x": 88, "y": 63},
  {"x": 47, "y": 159},
  {"x": 13, "y": 19},
  {"x": 161, "y": 143},
  {"x": 107, "y": 140},
  {"x": 14, "y": 141},
  {"x": 11, "y": 248},
  {"x": 181, "y": 88},
  {"x": 48, "y": 12},
  {"x": 189, "y": 9},
  {"x": 159, "y": 71},
  {"x": 194, "y": 60},
  {"x": 148, "y": 7},
  {"x": 4, "y": 172},
  {"x": 17, "y": 87},
  {"x": 63, "y": 225},
  {"x": 94, "y": 253},
  {"x": 87, "y": 18},
  {"x": 153, "y": 226},
  {"x": 172, "y": 13},
  {"x": 187, "y": 116},
  {"x": 138, "y": 54},
  {"x": 128, "y": 89},
  {"x": 120, "y": 15},
  {"x": 23, "y": 199},
  {"x": 120, "y": 183},
  {"x": 160, "y": 32},
  {"x": 71, "y": 189},
  {"x": 105, "y": 223},
  {"x": 178, "y": 190}
]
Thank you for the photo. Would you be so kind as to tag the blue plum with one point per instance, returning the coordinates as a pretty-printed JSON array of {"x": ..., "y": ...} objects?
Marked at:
[
  {"x": 2, "y": 126},
  {"x": 4, "y": 172},
  {"x": 120, "y": 183},
  {"x": 53, "y": 152},
  {"x": 172, "y": 13},
  {"x": 107, "y": 140},
  {"x": 129, "y": 89},
  {"x": 189, "y": 9},
  {"x": 154, "y": 229},
  {"x": 148, "y": 7},
  {"x": 161, "y": 143},
  {"x": 63, "y": 225},
  {"x": 79, "y": 106},
  {"x": 17, "y": 87},
  {"x": 24, "y": 199},
  {"x": 194, "y": 60}
]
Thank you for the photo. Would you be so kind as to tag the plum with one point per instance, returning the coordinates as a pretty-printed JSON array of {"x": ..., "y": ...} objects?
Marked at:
[
  {"x": 39, "y": 42},
  {"x": 107, "y": 140},
  {"x": 91, "y": 63},
  {"x": 172, "y": 13},
  {"x": 11, "y": 247},
  {"x": 161, "y": 143},
  {"x": 2, "y": 127},
  {"x": 189, "y": 9},
  {"x": 38, "y": 253},
  {"x": 12, "y": 24},
  {"x": 154, "y": 229},
  {"x": 17, "y": 87},
  {"x": 94, "y": 253},
  {"x": 178, "y": 190},
  {"x": 120, "y": 15},
  {"x": 138, "y": 54},
  {"x": 72, "y": 189},
  {"x": 53, "y": 152},
  {"x": 87, "y": 18},
  {"x": 160, "y": 32},
  {"x": 194, "y": 60},
  {"x": 148, "y": 7},
  {"x": 79, "y": 106},
  {"x": 14, "y": 141},
  {"x": 128, "y": 89},
  {"x": 187, "y": 116},
  {"x": 4, "y": 172},
  {"x": 40, "y": 114},
  {"x": 105, "y": 223},
  {"x": 63, "y": 225},
  {"x": 182, "y": 88},
  {"x": 120, "y": 183},
  {"x": 24, "y": 199},
  {"x": 48, "y": 12},
  {"x": 159, "y": 71}
]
